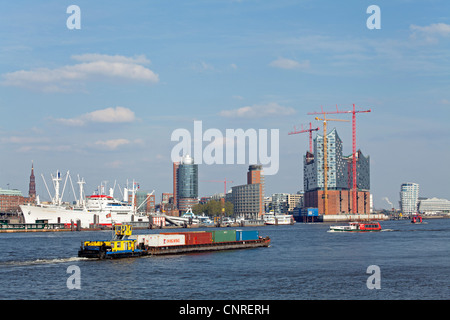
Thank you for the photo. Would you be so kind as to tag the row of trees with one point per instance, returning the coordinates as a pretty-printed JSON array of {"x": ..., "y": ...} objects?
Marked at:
[{"x": 213, "y": 208}]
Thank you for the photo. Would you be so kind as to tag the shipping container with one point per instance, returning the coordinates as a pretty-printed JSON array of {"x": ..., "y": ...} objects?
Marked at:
[
  {"x": 160, "y": 240},
  {"x": 313, "y": 212},
  {"x": 242, "y": 235},
  {"x": 196, "y": 237},
  {"x": 223, "y": 235},
  {"x": 140, "y": 238}
]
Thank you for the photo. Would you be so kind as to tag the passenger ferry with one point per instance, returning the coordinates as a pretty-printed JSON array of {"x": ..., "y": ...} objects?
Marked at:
[
  {"x": 278, "y": 219},
  {"x": 357, "y": 227}
]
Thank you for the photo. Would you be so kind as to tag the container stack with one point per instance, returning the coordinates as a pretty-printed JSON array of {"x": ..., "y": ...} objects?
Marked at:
[
  {"x": 171, "y": 243},
  {"x": 194, "y": 237}
]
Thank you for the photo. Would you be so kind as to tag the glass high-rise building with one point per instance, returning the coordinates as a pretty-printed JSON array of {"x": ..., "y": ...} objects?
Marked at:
[
  {"x": 339, "y": 173},
  {"x": 409, "y": 198},
  {"x": 186, "y": 183},
  {"x": 339, "y": 178}
]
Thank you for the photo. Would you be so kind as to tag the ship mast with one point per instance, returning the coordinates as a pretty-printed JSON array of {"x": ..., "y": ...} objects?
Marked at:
[
  {"x": 56, "y": 179},
  {"x": 81, "y": 202}
]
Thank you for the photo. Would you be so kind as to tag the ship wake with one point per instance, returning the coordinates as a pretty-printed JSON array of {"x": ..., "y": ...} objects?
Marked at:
[{"x": 40, "y": 262}]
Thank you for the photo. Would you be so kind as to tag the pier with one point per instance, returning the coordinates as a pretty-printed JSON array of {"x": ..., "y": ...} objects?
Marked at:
[
  {"x": 44, "y": 226},
  {"x": 32, "y": 227}
]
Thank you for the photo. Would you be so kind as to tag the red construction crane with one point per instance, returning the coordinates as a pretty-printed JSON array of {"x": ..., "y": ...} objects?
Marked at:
[
  {"x": 353, "y": 112},
  {"x": 310, "y": 130},
  {"x": 224, "y": 191},
  {"x": 325, "y": 159}
]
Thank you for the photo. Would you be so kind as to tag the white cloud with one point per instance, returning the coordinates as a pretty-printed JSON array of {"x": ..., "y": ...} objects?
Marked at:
[
  {"x": 45, "y": 148},
  {"x": 430, "y": 33},
  {"x": 90, "y": 57},
  {"x": 108, "y": 115},
  {"x": 23, "y": 140},
  {"x": 258, "y": 111},
  {"x": 93, "y": 67},
  {"x": 284, "y": 63},
  {"x": 113, "y": 144},
  {"x": 114, "y": 164},
  {"x": 202, "y": 66}
]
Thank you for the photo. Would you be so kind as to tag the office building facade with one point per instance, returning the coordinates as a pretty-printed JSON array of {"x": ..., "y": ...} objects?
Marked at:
[
  {"x": 434, "y": 206},
  {"x": 145, "y": 202},
  {"x": 409, "y": 198},
  {"x": 248, "y": 199},
  {"x": 279, "y": 203},
  {"x": 185, "y": 184},
  {"x": 10, "y": 200}
]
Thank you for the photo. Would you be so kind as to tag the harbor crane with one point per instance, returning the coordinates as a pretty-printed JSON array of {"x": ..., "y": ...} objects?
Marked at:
[
  {"x": 353, "y": 112},
  {"x": 310, "y": 130},
  {"x": 325, "y": 158}
]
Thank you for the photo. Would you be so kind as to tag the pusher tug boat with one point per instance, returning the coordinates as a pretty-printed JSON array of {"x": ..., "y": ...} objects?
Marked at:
[
  {"x": 125, "y": 245},
  {"x": 118, "y": 247},
  {"x": 357, "y": 227}
]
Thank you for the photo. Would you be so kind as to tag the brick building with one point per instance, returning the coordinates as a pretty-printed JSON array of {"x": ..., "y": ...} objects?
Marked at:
[
  {"x": 339, "y": 178},
  {"x": 248, "y": 199},
  {"x": 10, "y": 200}
]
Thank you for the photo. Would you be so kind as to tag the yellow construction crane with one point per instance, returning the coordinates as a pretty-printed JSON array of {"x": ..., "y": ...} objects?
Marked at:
[{"x": 325, "y": 158}]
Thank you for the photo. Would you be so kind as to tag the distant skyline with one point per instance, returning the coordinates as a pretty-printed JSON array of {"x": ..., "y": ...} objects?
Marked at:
[{"x": 102, "y": 101}]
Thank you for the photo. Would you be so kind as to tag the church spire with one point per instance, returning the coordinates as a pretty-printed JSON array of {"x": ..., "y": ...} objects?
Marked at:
[{"x": 32, "y": 189}]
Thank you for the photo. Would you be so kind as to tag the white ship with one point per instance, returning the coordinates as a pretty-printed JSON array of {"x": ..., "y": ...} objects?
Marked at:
[
  {"x": 99, "y": 209},
  {"x": 278, "y": 219},
  {"x": 190, "y": 218}
]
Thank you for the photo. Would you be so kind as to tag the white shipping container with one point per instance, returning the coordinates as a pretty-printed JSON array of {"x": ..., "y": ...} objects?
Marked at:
[
  {"x": 140, "y": 238},
  {"x": 160, "y": 240},
  {"x": 171, "y": 240}
]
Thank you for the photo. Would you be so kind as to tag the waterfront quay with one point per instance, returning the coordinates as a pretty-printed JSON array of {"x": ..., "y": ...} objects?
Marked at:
[
  {"x": 43, "y": 226},
  {"x": 6, "y": 227}
]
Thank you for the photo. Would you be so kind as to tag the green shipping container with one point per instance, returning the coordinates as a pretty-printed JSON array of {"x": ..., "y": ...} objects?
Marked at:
[{"x": 223, "y": 235}]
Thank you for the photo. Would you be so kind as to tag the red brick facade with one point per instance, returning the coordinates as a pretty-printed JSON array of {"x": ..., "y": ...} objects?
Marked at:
[
  {"x": 339, "y": 201},
  {"x": 10, "y": 203}
]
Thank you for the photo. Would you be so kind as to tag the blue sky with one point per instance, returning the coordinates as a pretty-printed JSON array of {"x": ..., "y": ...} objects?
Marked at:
[{"x": 103, "y": 101}]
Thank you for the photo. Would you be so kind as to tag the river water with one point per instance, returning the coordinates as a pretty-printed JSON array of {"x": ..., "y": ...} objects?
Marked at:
[{"x": 304, "y": 262}]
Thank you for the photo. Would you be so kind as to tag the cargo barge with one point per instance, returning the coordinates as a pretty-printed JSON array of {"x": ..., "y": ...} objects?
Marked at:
[{"x": 126, "y": 245}]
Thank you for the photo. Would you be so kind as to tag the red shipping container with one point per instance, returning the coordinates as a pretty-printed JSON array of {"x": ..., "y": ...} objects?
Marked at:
[{"x": 195, "y": 237}]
